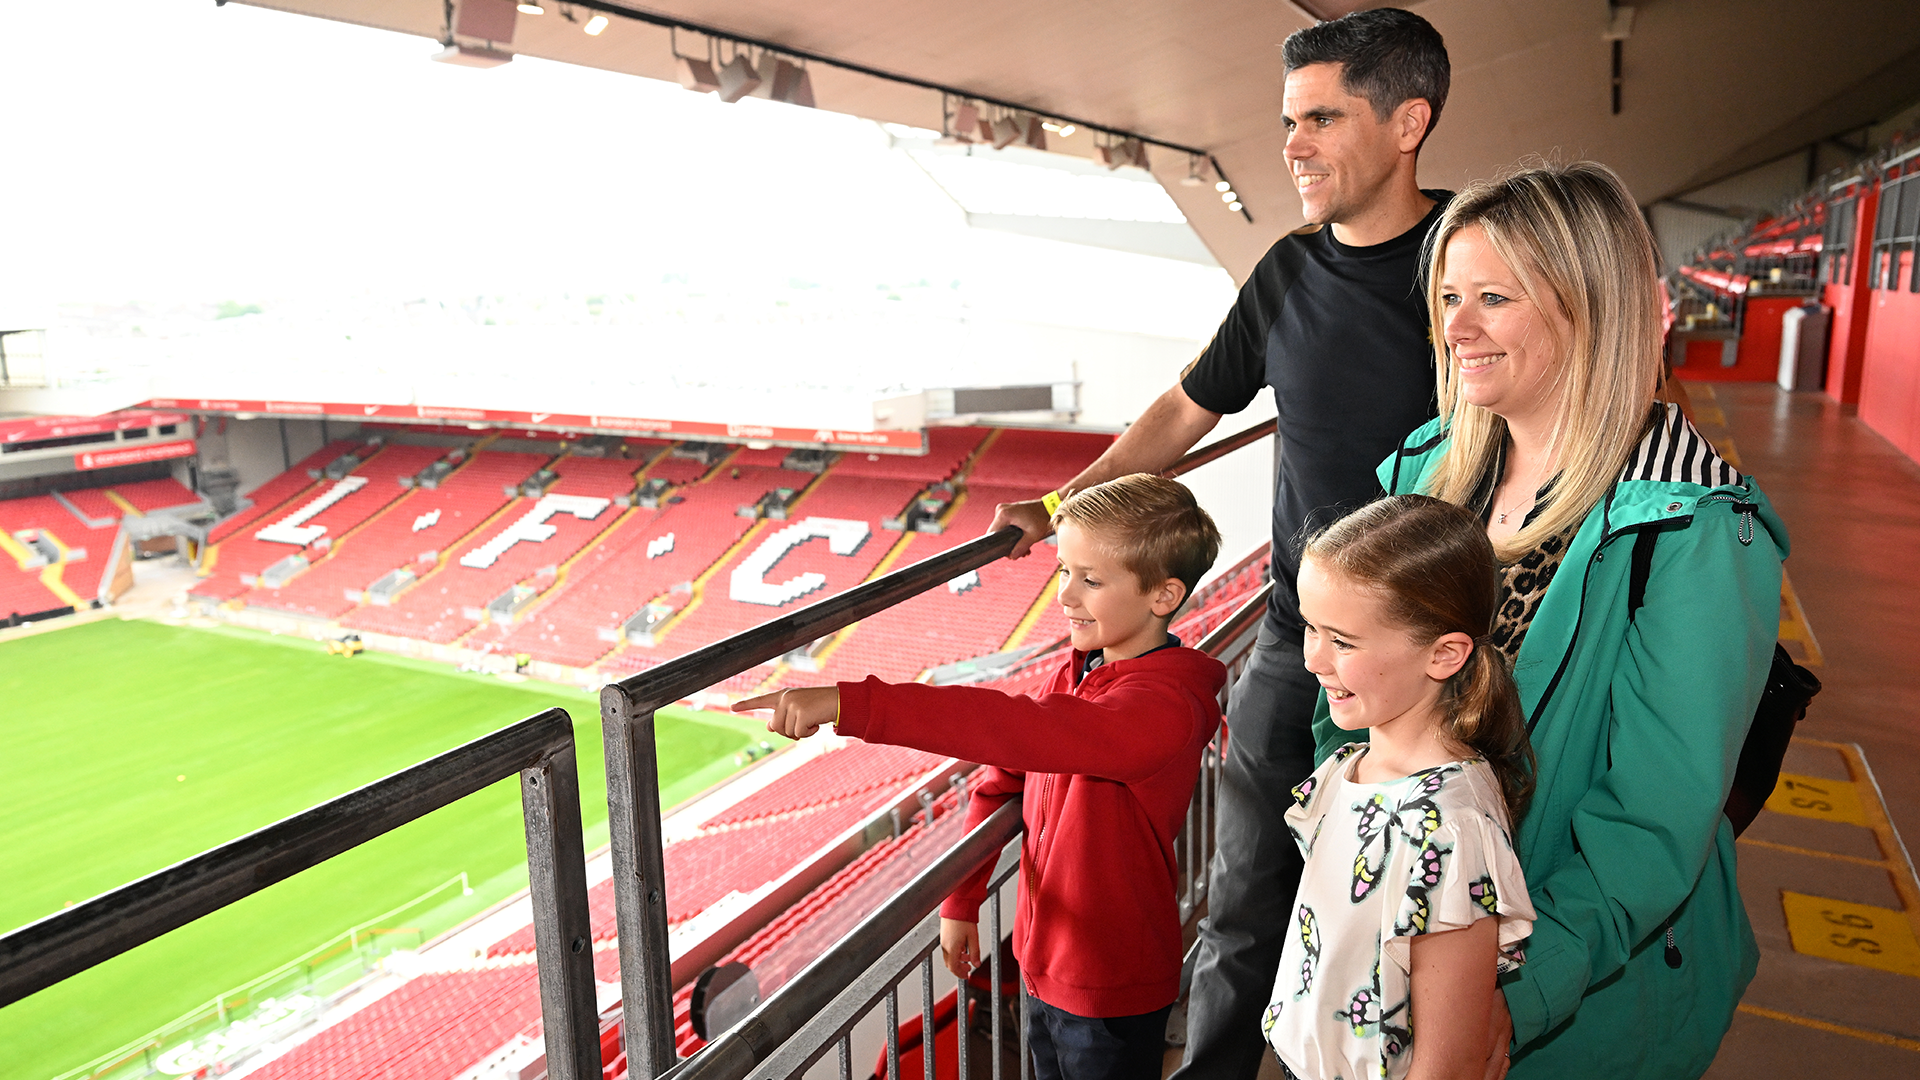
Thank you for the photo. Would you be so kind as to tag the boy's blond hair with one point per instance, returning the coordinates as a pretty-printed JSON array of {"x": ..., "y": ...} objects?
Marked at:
[{"x": 1151, "y": 524}]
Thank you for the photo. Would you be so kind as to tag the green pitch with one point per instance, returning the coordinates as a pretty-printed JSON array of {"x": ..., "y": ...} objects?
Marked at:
[{"x": 131, "y": 745}]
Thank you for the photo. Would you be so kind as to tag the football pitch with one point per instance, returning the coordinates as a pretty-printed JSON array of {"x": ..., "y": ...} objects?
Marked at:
[{"x": 131, "y": 745}]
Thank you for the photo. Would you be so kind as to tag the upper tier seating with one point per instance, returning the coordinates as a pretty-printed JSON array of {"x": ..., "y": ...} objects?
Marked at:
[
  {"x": 447, "y": 603},
  {"x": 239, "y": 559},
  {"x": 465, "y": 499},
  {"x": 1035, "y": 461}
]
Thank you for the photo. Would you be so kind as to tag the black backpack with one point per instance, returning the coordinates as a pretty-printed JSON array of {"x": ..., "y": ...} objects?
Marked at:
[{"x": 1783, "y": 704}]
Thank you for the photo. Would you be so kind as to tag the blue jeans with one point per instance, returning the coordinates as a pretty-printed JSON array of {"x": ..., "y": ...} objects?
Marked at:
[
  {"x": 1067, "y": 1046},
  {"x": 1256, "y": 865}
]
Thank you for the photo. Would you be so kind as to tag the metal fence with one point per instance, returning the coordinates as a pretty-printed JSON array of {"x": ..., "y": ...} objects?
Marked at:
[{"x": 789, "y": 1031}]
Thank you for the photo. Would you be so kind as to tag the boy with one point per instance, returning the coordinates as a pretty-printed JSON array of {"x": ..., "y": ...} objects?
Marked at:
[{"x": 1106, "y": 756}]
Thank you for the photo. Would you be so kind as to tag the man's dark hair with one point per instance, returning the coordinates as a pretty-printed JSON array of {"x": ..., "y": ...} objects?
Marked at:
[{"x": 1386, "y": 55}]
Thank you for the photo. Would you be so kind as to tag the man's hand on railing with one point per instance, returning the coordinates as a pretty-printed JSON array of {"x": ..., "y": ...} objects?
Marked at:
[
  {"x": 798, "y": 712},
  {"x": 1032, "y": 519},
  {"x": 960, "y": 944}
]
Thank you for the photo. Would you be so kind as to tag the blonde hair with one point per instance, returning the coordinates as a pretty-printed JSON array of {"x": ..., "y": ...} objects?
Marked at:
[
  {"x": 1153, "y": 525},
  {"x": 1433, "y": 567},
  {"x": 1574, "y": 237}
]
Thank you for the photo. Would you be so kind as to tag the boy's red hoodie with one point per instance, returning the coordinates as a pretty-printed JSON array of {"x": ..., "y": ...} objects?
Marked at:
[{"x": 1108, "y": 764}]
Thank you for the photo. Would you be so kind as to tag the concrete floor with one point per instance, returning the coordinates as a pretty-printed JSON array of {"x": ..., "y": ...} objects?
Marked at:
[{"x": 1838, "y": 992}]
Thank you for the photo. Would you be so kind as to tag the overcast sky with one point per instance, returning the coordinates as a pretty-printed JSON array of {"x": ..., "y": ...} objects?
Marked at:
[{"x": 175, "y": 150}]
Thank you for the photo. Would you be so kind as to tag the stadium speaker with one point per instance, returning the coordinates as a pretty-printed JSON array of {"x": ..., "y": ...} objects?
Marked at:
[
  {"x": 722, "y": 997},
  {"x": 966, "y": 123},
  {"x": 791, "y": 83},
  {"x": 1033, "y": 132},
  {"x": 1005, "y": 130},
  {"x": 737, "y": 78},
  {"x": 698, "y": 75}
]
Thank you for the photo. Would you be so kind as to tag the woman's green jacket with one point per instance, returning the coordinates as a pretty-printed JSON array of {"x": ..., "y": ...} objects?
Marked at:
[{"x": 1637, "y": 725}]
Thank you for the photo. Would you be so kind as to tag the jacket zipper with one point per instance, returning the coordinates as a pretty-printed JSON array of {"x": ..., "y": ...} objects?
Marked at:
[{"x": 1033, "y": 864}]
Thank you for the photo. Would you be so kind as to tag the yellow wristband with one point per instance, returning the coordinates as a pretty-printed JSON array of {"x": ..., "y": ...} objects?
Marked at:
[{"x": 1050, "y": 502}]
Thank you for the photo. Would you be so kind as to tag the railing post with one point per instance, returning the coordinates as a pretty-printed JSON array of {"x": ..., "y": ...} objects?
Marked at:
[
  {"x": 639, "y": 883},
  {"x": 562, "y": 927}
]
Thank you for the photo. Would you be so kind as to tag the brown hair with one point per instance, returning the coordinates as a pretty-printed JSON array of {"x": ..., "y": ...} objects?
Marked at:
[
  {"x": 1575, "y": 238},
  {"x": 1151, "y": 524},
  {"x": 1432, "y": 564}
]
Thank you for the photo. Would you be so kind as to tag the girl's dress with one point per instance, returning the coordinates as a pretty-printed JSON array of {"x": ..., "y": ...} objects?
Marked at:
[{"x": 1416, "y": 855}]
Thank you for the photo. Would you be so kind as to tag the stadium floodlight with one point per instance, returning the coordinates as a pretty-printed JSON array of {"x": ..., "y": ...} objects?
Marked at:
[
  {"x": 595, "y": 25},
  {"x": 737, "y": 78},
  {"x": 1222, "y": 186},
  {"x": 530, "y": 7}
]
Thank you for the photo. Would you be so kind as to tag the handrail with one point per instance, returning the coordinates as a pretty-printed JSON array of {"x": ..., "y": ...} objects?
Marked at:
[
  {"x": 1220, "y": 448},
  {"x": 780, "y": 1017},
  {"x": 540, "y": 749}
]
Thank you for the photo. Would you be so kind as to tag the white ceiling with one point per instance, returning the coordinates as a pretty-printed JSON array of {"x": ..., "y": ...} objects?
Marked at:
[{"x": 1711, "y": 86}]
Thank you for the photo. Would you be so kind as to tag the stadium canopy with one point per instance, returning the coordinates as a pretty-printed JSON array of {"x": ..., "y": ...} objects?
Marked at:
[{"x": 1707, "y": 88}]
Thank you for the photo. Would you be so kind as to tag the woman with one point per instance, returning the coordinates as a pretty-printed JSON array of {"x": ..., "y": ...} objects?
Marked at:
[{"x": 1638, "y": 681}]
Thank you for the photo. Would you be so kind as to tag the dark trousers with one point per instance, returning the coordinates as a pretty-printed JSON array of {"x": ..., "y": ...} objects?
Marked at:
[
  {"x": 1067, "y": 1046},
  {"x": 1256, "y": 865}
]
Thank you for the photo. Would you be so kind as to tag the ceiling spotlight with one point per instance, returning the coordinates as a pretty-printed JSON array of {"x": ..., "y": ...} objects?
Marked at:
[
  {"x": 1228, "y": 196},
  {"x": 1234, "y": 206},
  {"x": 737, "y": 78},
  {"x": 1062, "y": 130},
  {"x": 595, "y": 25},
  {"x": 1222, "y": 186},
  {"x": 530, "y": 7}
]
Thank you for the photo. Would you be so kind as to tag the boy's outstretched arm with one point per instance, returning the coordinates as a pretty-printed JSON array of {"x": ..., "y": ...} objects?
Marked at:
[{"x": 797, "y": 712}]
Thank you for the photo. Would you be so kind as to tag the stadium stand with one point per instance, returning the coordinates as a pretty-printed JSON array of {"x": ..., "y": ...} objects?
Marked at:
[
  {"x": 85, "y": 552},
  {"x": 430, "y": 1028},
  {"x": 450, "y": 601},
  {"x": 239, "y": 559},
  {"x": 148, "y": 496},
  {"x": 465, "y": 500},
  {"x": 282, "y": 489},
  {"x": 947, "y": 449}
]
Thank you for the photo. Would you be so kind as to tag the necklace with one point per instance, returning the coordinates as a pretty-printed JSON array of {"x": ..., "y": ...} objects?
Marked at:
[{"x": 1501, "y": 518}]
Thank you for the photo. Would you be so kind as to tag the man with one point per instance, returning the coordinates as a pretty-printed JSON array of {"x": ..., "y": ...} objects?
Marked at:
[{"x": 1334, "y": 320}]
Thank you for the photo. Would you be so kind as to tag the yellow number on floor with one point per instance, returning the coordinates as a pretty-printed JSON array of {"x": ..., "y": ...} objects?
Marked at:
[
  {"x": 1851, "y": 933},
  {"x": 1811, "y": 796}
]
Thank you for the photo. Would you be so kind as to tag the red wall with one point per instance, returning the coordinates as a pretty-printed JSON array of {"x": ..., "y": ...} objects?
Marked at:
[
  {"x": 1758, "y": 358},
  {"x": 1850, "y": 302},
  {"x": 1890, "y": 368}
]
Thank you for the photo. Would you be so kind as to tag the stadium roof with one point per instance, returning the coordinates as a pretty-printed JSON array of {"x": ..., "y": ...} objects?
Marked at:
[{"x": 1704, "y": 94}]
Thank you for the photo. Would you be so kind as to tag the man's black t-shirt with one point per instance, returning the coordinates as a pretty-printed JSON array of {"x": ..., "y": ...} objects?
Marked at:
[{"x": 1341, "y": 335}]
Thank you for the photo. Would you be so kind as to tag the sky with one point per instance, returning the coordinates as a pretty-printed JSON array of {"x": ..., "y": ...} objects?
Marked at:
[{"x": 176, "y": 151}]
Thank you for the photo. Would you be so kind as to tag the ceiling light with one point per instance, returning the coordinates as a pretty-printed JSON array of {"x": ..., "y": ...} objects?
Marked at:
[
  {"x": 737, "y": 78},
  {"x": 1063, "y": 130},
  {"x": 1234, "y": 206},
  {"x": 1228, "y": 196},
  {"x": 1223, "y": 186},
  {"x": 530, "y": 7},
  {"x": 595, "y": 25}
]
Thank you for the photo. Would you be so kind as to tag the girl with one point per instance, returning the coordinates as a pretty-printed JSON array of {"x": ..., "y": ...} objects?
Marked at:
[{"x": 1412, "y": 899}]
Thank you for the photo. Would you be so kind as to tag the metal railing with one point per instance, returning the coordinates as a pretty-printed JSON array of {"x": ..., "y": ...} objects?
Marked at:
[
  {"x": 540, "y": 749},
  {"x": 818, "y": 1009}
]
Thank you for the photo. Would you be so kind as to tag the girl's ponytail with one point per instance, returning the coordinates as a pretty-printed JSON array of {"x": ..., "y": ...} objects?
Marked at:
[
  {"x": 1484, "y": 714},
  {"x": 1436, "y": 570}
]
